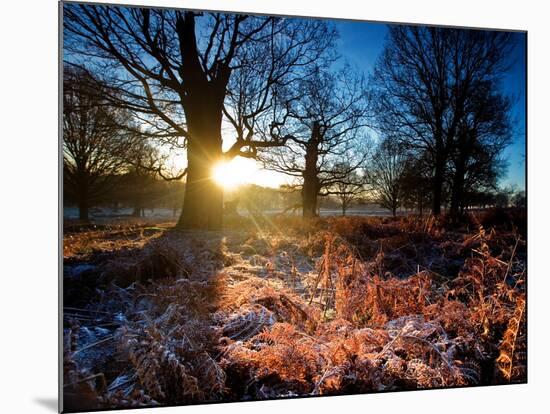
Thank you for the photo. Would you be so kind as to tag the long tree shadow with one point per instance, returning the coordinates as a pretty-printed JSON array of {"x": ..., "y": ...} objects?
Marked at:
[{"x": 143, "y": 315}]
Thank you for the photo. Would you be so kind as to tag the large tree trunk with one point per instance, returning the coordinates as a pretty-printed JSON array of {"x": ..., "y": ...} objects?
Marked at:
[
  {"x": 138, "y": 196},
  {"x": 438, "y": 186},
  {"x": 311, "y": 187},
  {"x": 457, "y": 190},
  {"x": 309, "y": 197},
  {"x": 83, "y": 209},
  {"x": 203, "y": 199},
  {"x": 138, "y": 205},
  {"x": 439, "y": 170},
  {"x": 203, "y": 105},
  {"x": 83, "y": 198}
]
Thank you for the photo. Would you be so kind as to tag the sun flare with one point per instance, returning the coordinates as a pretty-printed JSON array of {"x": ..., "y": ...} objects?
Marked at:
[
  {"x": 231, "y": 174},
  {"x": 239, "y": 171}
]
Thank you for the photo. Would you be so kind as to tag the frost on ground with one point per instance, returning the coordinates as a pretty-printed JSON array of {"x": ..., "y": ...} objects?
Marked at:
[{"x": 283, "y": 308}]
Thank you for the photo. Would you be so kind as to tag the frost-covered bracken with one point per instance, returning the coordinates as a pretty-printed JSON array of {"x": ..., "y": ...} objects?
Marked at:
[{"x": 283, "y": 308}]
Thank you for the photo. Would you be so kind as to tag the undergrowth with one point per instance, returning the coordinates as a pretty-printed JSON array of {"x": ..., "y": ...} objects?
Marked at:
[{"x": 331, "y": 306}]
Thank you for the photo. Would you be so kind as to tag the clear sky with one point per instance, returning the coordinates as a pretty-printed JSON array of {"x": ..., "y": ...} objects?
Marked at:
[{"x": 362, "y": 42}]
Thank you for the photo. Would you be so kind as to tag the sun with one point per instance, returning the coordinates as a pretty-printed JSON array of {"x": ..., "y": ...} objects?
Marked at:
[{"x": 232, "y": 174}]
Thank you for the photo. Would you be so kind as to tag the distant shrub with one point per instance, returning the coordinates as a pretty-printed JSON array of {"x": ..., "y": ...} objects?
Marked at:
[{"x": 505, "y": 218}]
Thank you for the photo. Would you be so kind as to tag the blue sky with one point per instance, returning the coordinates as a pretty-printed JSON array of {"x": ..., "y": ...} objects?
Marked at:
[{"x": 362, "y": 42}]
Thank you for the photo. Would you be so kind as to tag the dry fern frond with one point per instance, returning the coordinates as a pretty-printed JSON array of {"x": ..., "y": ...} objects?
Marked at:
[
  {"x": 511, "y": 360},
  {"x": 346, "y": 305},
  {"x": 248, "y": 323}
]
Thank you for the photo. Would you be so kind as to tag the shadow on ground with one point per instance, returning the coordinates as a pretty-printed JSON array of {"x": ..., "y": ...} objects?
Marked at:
[{"x": 49, "y": 403}]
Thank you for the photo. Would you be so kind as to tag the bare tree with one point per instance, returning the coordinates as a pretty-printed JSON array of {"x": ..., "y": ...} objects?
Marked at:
[
  {"x": 482, "y": 135},
  {"x": 416, "y": 184},
  {"x": 146, "y": 163},
  {"x": 350, "y": 189},
  {"x": 322, "y": 125},
  {"x": 95, "y": 146},
  {"x": 385, "y": 174},
  {"x": 424, "y": 81},
  {"x": 177, "y": 70},
  {"x": 348, "y": 194}
]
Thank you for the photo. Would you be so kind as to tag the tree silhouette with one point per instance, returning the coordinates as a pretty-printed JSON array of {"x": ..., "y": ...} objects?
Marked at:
[
  {"x": 145, "y": 163},
  {"x": 349, "y": 190},
  {"x": 482, "y": 135},
  {"x": 416, "y": 184},
  {"x": 177, "y": 70},
  {"x": 323, "y": 125},
  {"x": 95, "y": 145},
  {"x": 386, "y": 172},
  {"x": 425, "y": 80}
]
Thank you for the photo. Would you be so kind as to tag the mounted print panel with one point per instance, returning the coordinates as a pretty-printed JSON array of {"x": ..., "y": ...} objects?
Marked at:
[{"x": 261, "y": 207}]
